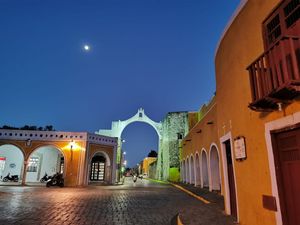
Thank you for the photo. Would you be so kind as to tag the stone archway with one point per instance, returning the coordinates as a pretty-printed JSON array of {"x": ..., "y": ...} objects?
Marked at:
[{"x": 119, "y": 126}]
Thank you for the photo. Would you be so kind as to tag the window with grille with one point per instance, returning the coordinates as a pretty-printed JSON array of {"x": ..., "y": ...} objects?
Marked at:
[{"x": 33, "y": 164}]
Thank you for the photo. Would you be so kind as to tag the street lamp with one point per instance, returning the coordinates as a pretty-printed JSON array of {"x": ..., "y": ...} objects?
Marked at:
[{"x": 72, "y": 144}]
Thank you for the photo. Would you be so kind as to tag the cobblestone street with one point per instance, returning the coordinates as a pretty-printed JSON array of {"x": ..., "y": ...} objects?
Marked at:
[{"x": 145, "y": 202}]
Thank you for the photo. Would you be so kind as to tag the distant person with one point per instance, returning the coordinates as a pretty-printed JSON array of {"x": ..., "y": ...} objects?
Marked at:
[{"x": 134, "y": 178}]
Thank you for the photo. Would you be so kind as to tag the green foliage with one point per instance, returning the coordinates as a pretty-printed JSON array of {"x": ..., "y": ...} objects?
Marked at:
[
  {"x": 152, "y": 154},
  {"x": 26, "y": 127},
  {"x": 174, "y": 174}
]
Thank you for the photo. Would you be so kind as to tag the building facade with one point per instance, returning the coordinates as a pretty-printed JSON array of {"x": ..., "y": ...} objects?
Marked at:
[
  {"x": 81, "y": 157},
  {"x": 252, "y": 124}
]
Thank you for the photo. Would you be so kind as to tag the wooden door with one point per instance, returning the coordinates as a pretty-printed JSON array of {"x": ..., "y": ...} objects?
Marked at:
[
  {"x": 287, "y": 163},
  {"x": 231, "y": 181}
]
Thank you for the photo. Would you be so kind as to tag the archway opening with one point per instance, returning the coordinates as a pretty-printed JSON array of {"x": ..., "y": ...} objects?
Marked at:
[
  {"x": 205, "y": 182},
  {"x": 183, "y": 171},
  {"x": 192, "y": 170},
  {"x": 11, "y": 164},
  {"x": 187, "y": 170},
  {"x": 214, "y": 169},
  {"x": 100, "y": 168},
  {"x": 44, "y": 162},
  {"x": 197, "y": 171},
  {"x": 140, "y": 138}
]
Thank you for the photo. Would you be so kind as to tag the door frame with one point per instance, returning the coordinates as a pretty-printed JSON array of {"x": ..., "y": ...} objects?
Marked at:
[
  {"x": 223, "y": 139},
  {"x": 271, "y": 127}
]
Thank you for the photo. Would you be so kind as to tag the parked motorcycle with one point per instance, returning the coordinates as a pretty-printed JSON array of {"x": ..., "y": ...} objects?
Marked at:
[
  {"x": 45, "y": 178},
  {"x": 56, "y": 180},
  {"x": 13, "y": 178}
]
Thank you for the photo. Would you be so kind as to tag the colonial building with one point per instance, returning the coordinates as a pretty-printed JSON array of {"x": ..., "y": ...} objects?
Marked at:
[
  {"x": 246, "y": 142},
  {"x": 81, "y": 157}
]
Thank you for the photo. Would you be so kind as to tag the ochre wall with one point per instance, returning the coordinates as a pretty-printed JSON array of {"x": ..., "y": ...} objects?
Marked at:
[
  {"x": 241, "y": 45},
  {"x": 146, "y": 162},
  {"x": 203, "y": 135}
]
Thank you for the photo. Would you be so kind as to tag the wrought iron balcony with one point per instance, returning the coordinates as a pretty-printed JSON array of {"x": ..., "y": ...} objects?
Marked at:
[{"x": 275, "y": 76}]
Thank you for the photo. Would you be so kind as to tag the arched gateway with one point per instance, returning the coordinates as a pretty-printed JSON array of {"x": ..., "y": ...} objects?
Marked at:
[
  {"x": 170, "y": 131},
  {"x": 119, "y": 126},
  {"x": 140, "y": 116}
]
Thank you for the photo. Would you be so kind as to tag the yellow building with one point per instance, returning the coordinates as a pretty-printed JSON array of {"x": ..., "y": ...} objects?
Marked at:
[
  {"x": 81, "y": 157},
  {"x": 247, "y": 140},
  {"x": 145, "y": 164}
]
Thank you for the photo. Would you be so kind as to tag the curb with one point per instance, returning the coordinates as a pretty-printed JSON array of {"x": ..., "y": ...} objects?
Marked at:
[
  {"x": 176, "y": 220},
  {"x": 191, "y": 193},
  {"x": 182, "y": 189},
  {"x": 179, "y": 220}
]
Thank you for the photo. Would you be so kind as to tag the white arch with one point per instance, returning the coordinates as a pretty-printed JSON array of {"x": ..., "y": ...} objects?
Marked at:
[
  {"x": 197, "y": 170},
  {"x": 41, "y": 166},
  {"x": 192, "y": 169},
  {"x": 118, "y": 126},
  {"x": 204, "y": 169},
  {"x": 108, "y": 161},
  {"x": 187, "y": 173},
  {"x": 182, "y": 171},
  {"x": 14, "y": 160},
  {"x": 108, "y": 169},
  {"x": 214, "y": 168}
]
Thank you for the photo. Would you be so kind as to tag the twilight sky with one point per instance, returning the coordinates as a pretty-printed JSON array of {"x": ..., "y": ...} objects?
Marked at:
[{"x": 154, "y": 54}]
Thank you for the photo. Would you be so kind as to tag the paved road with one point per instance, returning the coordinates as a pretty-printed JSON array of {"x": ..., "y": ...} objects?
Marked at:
[{"x": 141, "y": 203}]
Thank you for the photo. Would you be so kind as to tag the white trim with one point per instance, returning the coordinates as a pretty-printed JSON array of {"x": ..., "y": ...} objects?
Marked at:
[
  {"x": 224, "y": 138},
  {"x": 270, "y": 126},
  {"x": 209, "y": 159}
]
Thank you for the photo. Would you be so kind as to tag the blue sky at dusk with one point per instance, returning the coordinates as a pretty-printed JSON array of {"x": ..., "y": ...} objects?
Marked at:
[{"x": 158, "y": 55}]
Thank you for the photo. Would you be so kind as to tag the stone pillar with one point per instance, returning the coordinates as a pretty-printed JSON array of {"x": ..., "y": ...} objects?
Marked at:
[{"x": 114, "y": 166}]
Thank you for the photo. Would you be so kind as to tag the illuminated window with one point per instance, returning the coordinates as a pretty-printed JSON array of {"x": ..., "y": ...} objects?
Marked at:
[{"x": 33, "y": 164}]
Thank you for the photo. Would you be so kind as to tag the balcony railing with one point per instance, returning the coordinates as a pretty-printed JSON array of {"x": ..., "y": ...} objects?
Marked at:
[{"x": 275, "y": 76}]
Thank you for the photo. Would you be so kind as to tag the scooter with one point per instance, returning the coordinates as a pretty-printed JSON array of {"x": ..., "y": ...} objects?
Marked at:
[
  {"x": 56, "y": 180},
  {"x": 134, "y": 178},
  {"x": 13, "y": 178},
  {"x": 45, "y": 178}
]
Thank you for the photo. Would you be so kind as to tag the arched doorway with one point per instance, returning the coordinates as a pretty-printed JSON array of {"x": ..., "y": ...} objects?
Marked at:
[
  {"x": 204, "y": 168},
  {"x": 11, "y": 163},
  {"x": 214, "y": 169},
  {"x": 197, "y": 170},
  {"x": 45, "y": 160},
  {"x": 100, "y": 168},
  {"x": 192, "y": 168}
]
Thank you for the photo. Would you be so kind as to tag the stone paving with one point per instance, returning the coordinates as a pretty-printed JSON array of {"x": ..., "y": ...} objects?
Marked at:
[{"x": 144, "y": 202}]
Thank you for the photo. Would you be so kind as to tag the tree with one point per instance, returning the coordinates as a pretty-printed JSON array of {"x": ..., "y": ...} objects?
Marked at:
[{"x": 152, "y": 153}]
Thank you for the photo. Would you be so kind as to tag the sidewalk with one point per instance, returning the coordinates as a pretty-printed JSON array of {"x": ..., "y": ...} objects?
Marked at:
[
  {"x": 212, "y": 211},
  {"x": 213, "y": 197}
]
